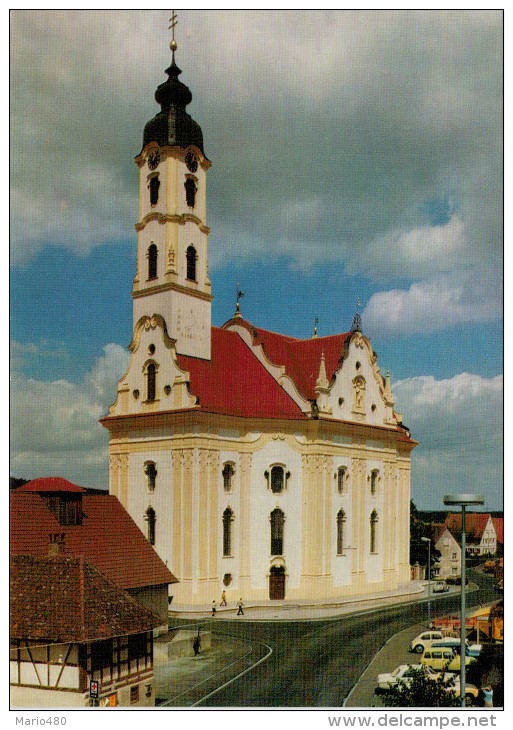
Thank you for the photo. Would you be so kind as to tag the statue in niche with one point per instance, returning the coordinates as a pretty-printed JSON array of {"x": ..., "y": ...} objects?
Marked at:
[{"x": 359, "y": 394}]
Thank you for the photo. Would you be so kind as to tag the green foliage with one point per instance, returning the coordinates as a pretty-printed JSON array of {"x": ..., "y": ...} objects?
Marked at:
[
  {"x": 421, "y": 692},
  {"x": 419, "y": 550}
]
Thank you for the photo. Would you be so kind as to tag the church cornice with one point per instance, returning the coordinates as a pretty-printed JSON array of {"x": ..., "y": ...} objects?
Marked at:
[
  {"x": 172, "y": 286},
  {"x": 164, "y": 218},
  {"x": 171, "y": 151}
]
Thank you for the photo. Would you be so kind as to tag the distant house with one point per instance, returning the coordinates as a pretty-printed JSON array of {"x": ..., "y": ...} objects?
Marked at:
[
  {"x": 480, "y": 535},
  {"x": 498, "y": 523},
  {"x": 53, "y": 516},
  {"x": 70, "y": 626},
  {"x": 450, "y": 551}
]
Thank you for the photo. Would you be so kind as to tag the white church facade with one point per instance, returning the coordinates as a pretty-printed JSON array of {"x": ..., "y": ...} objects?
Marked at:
[{"x": 269, "y": 467}]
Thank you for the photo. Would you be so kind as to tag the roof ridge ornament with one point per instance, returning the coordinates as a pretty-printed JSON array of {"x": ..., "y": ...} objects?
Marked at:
[
  {"x": 356, "y": 325},
  {"x": 316, "y": 322},
  {"x": 239, "y": 294}
]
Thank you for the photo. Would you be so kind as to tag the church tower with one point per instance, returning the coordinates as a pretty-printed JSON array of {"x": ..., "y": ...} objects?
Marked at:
[{"x": 171, "y": 278}]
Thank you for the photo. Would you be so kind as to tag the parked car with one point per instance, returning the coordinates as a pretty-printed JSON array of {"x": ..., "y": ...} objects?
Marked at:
[
  {"x": 473, "y": 650},
  {"x": 424, "y": 640},
  {"x": 453, "y": 685},
  {"x": 403, "y": 672},
  {"x": 444, "y": 659},
  {"x": 440, "y": 586}
]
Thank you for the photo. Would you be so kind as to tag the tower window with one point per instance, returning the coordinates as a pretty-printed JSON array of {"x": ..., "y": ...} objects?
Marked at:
[
  {"x": 150, "y": 519},
  {"x": 373, "y": 531},
  {"x": 191, "y": 263},
  {"x": 154, "y": 190},
  {"x": 151, "y": 382},
  {"x": 190, "y": 192},
  {"x": 151, "y": 474},
  {"x": 277, "y": 521},
  {"x": 277, "y": 479},
  {"x": 152, "y": 262},
  {"x": 341, "y": 518},
  {"x": 228, "y": 473},
  {"x": 227, "y": 532}
]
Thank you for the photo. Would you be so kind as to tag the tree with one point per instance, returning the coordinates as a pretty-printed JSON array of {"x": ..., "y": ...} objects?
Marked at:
[
  {"x": 419, "y": 549},
  {"x": 420, "y": 691}
]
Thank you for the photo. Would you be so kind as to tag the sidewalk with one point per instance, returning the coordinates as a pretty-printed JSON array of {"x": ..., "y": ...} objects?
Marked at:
[{"x": 304, "y": 610}]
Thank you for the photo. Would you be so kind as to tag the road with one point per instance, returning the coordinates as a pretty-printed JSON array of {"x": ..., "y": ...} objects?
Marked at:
[{"x": 316, "y": 663}]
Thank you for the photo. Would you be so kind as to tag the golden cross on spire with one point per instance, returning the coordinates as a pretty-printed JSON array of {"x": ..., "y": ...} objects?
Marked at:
[
  {"x": 357, "y": 303},
  {"x": 173, "y": 20},
  {"x": 316, "y": 322}
]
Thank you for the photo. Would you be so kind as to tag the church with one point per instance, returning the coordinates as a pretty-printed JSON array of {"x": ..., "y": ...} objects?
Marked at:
[{"x": 270, "y": 467}]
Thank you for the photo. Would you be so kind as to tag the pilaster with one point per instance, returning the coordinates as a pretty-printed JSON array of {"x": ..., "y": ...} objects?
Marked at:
[
  {"x": 123, "y": 487},
  {"x": 176, "y": 566},
  {"x": 213, "y": 487},
  {"x": 245, "y": 525},
  {"x": 188, "y": 533}
]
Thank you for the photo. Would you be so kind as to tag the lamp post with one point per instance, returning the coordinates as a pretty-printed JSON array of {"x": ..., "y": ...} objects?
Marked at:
[
  {"x": 428, "y": 540},
  {"x": 463, "y": 501}
]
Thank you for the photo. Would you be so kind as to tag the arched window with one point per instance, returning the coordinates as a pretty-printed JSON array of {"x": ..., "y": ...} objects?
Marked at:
[
  {"x": 152, "y": 262},
  {"x": 154, "y": 190},
  {"x": 374, "y": 478},
  {"x": 150, "y": 519},
  {"x": 341, "y": 478},
  {"x": 277, "y": 479},
  {"x": 151, "y": 473},
  {"x": 277, "y": 520},
  {"x": 151, "y": 382},
  {"x": 191, "y": 263},
  {"x": 190, "y": 192},
  {"x": 228, "y": 473},
  {"x": 374, "y": 532},
  {"x": 227, "y": 532},
  {"x": 341, "y": 518}
]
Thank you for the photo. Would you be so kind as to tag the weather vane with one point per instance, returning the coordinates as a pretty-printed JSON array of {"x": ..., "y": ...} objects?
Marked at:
[
  {"x": 172, "y": 24},
  {"x": 239, "y": 295},
  {"x": 316, "y": 322}
]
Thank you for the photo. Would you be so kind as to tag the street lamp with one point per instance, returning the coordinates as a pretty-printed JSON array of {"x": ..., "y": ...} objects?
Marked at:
[
  {"x": 428, "y": 540},
  {"x": 463, "y": 501}
]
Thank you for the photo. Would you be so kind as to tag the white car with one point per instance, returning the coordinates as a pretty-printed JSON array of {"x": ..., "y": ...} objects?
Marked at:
[
  {"x": 424, "y": 640},
  {"x": 403, "y": 672}
]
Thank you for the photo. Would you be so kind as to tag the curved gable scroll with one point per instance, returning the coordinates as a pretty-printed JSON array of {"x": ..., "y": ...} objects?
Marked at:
[{"x": 150, "y": 323}]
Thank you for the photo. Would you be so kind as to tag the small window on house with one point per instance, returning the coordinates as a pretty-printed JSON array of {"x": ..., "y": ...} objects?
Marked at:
[
  {"x": 150, "y": 519},
  {"x": 152, "y": 262},
  {"x": 341, "y": 518},
  {"x": 191, "y": 263},
  {"x": 341, "y": 479},
  {"x": 151, "y": 474},
  {"x": 374, "y": 479},
  {"x": 154, "y": 190},
  {"x": 277, "y": 521},
  {"x": 374, "y": 532},
  {"x": 151, "y": 382},
  {"x": 228, "y": 473},
  {"x": 227, "y": 532},
  {"x": 190, "y": 192}
]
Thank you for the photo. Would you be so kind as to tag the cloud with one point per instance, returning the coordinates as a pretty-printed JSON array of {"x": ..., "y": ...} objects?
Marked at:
[
  {"x": 433, "y": 305},
  {"x": 458, "y": 423},
  {"x": 54, "y": 425}
]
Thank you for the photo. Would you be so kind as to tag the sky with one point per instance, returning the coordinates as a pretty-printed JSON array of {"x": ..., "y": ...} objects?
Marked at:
[{"x": 355, "y": 154}]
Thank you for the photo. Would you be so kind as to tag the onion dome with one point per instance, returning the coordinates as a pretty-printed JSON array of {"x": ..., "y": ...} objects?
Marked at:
[{"x": 172, "y": 125}]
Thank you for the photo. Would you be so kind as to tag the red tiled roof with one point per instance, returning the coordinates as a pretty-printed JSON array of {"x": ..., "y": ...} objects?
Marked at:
[
  {"x": 498, "y": 523},
  {"x": 437, "y": 530},
  {"x": 50, "y": 484},
  {"x": 108, "y": 538},
  {"x": 63, "y": 598},
  {"x": 475, "y": 523},
  {"x": 234, "y": 382},
  {"x": 301, "y": 358}
]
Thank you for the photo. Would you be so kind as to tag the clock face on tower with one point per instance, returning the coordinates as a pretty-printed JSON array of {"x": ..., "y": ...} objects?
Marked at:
[
  {"x": 153, "y": 160},
  {"x": 191, "y": 162}
]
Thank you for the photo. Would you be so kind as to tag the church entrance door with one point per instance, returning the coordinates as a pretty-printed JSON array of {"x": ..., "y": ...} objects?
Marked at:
[{"x": 277, "y": 583}]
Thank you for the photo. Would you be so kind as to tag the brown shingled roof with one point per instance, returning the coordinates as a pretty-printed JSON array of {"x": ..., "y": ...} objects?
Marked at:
[
  {"x": 63, "y": 598},
  {"x": 108, "y": 538}
]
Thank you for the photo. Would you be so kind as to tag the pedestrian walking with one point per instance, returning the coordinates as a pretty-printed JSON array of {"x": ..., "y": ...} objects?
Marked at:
[
  {"x": 240, "y": 612},
  {"x": 196, "y": 645},
  {"x": 214, "y": 605},
  {"x": 488, "y": 696},
  {"x": 223, "y": 599}
]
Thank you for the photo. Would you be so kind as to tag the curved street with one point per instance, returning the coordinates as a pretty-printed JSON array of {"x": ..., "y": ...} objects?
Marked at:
[{"x": 317, "y": 663}]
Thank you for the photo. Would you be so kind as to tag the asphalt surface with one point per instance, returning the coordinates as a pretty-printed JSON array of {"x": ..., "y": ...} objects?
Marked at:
[{"x": 315, "y": 663}]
